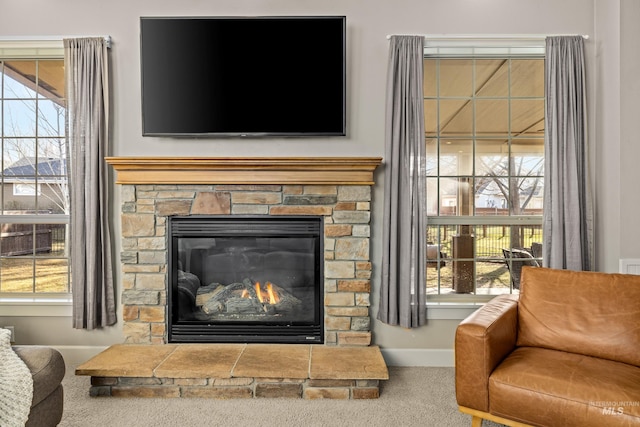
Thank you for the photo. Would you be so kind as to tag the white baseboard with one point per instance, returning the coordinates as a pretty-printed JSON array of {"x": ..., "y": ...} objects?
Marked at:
[
  {"x": 75, "y": 355},
  {"x": 418, "y": 357}
]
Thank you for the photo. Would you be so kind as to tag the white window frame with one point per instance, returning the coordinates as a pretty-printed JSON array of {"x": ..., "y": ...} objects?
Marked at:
[
  {"x": 466, "y": 46},
  {"x": 34, "y": 304}
]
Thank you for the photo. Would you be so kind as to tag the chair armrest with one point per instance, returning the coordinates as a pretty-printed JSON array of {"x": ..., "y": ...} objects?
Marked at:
[{"x": 482, "y": 341}]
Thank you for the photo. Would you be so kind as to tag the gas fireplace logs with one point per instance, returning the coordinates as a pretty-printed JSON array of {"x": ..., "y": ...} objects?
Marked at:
[{"x": 246, "y": 298}]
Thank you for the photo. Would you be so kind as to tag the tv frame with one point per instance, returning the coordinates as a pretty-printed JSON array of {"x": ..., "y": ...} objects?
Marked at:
[{"x": 343, "y": 132}]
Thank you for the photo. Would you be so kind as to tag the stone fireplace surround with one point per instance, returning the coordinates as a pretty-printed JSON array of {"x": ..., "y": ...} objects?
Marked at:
[{"x": 339, "y": 189}]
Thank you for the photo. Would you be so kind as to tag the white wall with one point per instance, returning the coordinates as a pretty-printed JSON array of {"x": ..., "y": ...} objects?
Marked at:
[
  {"x": 629, "y": 136},
  {"x": 616, "y": 144},
  {"x": 607, "y": 150},
  {"x": 368, "y": 23}
]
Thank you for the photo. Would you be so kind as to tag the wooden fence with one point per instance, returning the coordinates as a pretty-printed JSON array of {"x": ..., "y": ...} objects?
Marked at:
[{"x": 26, "y": 239}]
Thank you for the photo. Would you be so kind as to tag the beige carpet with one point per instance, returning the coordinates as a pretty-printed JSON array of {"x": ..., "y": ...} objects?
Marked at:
[{"x": 411, "y": 397}]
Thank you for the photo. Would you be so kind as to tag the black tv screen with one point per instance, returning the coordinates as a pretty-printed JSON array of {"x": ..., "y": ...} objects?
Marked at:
[{"x": 243, "y": 76}]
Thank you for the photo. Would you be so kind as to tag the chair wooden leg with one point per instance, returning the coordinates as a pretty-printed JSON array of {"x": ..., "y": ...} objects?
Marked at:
[{"x": 476, "y": 421}]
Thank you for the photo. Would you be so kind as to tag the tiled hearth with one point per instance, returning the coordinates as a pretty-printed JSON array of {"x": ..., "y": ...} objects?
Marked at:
[
  {"x": 339, "y": 189},
  {"x": 236, "y": 371}
]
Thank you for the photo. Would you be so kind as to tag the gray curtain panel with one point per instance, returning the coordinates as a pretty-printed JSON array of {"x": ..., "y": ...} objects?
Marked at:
[
  {"x": 87, "y": 83},
  {"x": 568, "y": 212},
  {"x": 403, "y": 289}
]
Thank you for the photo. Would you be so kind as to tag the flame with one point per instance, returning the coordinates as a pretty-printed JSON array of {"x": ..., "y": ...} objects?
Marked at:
[
  {"x": 268, "y": 297},
  {"x": 259, "y": 292},
  {"x": 272, "y": 297}
]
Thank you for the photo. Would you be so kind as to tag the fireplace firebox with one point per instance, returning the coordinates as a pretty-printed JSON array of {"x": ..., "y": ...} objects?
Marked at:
[{"x": 245, "y": 279}]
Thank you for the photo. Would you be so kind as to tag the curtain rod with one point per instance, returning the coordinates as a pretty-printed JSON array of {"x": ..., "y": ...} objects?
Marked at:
[
  {"x": 107, "y": 39},
  {"x": 486, "y": 36}
]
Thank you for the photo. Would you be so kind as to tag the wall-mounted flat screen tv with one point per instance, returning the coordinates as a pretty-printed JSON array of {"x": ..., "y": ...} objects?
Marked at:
[{"x": 243, "y": 76}]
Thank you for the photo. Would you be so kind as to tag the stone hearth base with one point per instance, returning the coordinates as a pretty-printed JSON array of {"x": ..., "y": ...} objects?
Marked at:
[{"x": 236, "y": 371}]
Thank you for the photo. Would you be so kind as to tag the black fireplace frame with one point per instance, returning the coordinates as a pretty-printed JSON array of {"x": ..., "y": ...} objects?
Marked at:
[{"x": 207, "y": 331}]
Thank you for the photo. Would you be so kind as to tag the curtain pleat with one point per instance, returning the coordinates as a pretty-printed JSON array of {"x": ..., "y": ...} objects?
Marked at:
[
  {"x": 403, "y": 288},
  {"x": 87, "y": 83},
  {"x": 568, "y": 212}
]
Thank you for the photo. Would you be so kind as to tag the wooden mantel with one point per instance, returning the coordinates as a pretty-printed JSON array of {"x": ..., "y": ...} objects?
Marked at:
[{"x": 245, "y": 170}]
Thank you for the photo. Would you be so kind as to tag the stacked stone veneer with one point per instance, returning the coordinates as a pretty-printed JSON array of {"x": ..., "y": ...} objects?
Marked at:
[
  {"x": 234, "y": 388},
  {"x": 347, "y": 267}
]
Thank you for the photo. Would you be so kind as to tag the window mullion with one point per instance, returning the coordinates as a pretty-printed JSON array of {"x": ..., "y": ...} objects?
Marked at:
[{"x": 35, "y": 219}]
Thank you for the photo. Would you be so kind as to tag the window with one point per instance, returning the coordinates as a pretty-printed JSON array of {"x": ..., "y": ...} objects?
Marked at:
[
  {"x": 34, "y": 196},
  {"x": 484, "y": 123},
  {"x": 26, "y": 189}
]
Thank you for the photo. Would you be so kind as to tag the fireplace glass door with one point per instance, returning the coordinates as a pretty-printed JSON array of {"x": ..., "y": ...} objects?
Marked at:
[{"x": 245, "y": 279}]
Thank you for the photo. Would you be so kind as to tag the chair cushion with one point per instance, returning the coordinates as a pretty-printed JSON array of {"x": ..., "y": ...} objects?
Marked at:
[
  {"x": 555, "y": 388},
  {"x": 47, "y": 369},
  {"x": 596, "y": 314}
]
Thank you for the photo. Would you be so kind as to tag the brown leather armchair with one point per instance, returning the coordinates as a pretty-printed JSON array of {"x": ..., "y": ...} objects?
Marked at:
[{"x": 566, "y": 352}]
